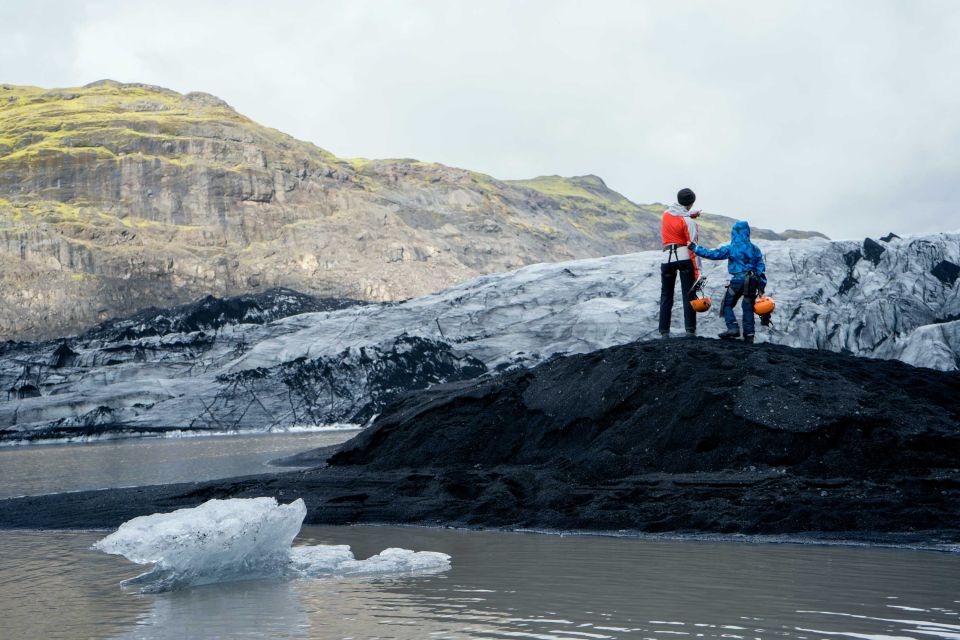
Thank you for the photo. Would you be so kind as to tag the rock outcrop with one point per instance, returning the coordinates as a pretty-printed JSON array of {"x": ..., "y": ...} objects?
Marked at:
[
  {"x": 117, "y": 197},
  {"x": 283, "y": 359}
]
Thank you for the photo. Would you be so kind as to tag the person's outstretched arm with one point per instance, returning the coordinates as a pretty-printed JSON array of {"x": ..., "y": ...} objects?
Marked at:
[{"x": 721, "y": 253}]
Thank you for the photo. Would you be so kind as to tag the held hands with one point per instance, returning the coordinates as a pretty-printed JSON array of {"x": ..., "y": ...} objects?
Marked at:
[{"x": 692, "y": 246}]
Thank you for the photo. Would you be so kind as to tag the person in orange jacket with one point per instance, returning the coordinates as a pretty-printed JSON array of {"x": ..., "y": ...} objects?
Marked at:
[{"x": 678, "y": 228}]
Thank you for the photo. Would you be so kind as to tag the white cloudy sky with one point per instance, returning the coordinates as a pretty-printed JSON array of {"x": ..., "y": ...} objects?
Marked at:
[{"x": 842, "y": 116}]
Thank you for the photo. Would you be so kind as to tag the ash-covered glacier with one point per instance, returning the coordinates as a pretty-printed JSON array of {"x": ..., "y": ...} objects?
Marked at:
[
  {"x": 295, "y": 366},
  {"x": 244, "y": 539}
]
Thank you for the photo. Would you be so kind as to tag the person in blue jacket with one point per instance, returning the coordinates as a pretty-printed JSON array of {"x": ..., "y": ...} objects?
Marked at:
[{"x": 747, "y": 278}]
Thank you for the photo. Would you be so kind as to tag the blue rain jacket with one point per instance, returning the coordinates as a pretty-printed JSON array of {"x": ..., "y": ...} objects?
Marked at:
[{"x": 741, "y": 254}]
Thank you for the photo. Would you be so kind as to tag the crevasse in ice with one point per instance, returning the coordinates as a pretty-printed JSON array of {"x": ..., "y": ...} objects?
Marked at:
[{"x": 240, "y": 539}]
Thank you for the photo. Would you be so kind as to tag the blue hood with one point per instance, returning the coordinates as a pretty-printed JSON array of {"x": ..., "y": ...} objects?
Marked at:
[{"x": 740, "y": 234}]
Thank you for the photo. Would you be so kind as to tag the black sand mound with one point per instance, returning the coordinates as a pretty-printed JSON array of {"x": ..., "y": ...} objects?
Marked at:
[
  {"x": 682, "y": 436},
  {"x": 681, "y": 407}
]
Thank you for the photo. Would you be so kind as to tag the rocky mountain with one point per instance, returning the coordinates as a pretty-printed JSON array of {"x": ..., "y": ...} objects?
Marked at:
[
  {"x": 117, "y": 197},
  {"x": 281, "y": 359}
]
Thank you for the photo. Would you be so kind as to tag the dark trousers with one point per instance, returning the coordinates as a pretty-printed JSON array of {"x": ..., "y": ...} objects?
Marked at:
[
  {"x": 739, "y": 287},
  {"x": 668, "y": 281}
]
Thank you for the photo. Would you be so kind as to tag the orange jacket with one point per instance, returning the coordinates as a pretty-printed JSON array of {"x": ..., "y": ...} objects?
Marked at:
[{"x": 676, "y": 230}]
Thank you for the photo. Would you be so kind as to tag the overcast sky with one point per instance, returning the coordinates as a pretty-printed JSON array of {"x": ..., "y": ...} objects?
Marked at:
[{"x": 840, "y": 116}]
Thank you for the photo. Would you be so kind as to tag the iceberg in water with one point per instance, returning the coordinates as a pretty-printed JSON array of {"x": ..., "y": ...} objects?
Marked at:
[{"x": 241, "y": 539}]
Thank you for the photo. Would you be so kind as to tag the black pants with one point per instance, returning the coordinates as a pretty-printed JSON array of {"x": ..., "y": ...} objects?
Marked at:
[{"x": 668, "y": 281}]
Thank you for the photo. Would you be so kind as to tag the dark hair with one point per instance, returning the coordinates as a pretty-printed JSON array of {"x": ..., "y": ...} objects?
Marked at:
[{"x": 686, "y": 197}]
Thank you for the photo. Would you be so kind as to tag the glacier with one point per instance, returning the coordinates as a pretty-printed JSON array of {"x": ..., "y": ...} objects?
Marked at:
[
  {"x": 299, "y": 367},
  {"x": 244, "y": 539}
]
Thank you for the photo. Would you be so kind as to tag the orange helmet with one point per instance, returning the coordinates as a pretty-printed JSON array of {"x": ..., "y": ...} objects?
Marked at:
[
  {"x": 700, "y": 304},
  {"x": 764, "y": 305}
]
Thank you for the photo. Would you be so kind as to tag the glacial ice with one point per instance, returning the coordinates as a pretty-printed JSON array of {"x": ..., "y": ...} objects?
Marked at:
[
  {"x": 344, "y": 365},
  {"x": 242, "y": 539}
]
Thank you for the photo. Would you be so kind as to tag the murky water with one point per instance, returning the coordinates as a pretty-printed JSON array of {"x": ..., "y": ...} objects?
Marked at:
[
  {"x": 502, "y": 585},
  {"x": 39, "y": 469}
]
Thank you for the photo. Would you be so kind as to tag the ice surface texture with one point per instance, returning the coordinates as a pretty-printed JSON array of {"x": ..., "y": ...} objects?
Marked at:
[
  {"x": 897, "y": 299},
  {"x": 241, "y": 539}
]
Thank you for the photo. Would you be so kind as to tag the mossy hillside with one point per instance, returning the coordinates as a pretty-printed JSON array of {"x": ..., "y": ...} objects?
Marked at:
[
  {"x": 98, "y": 138},
  {"x": 600, "y": 210},
  {"x": 126, "y": 117},
  {"x": 589, "y": 205},
  {"x": 589, "y": 189},
  {"x": 575, "y": 206},
  {"x": 553, "y": 209},
  {"x": 143, "y": 195},
  {"x": 796, "y": 234},
  {"x": 106, "y": 129},
  {"x": 90, "y": 242}
]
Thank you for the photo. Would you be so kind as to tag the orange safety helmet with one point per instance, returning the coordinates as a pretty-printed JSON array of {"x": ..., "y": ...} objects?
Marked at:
[
  {"x": 700, "y": 304},
  {"x": 764, "y": 305}
]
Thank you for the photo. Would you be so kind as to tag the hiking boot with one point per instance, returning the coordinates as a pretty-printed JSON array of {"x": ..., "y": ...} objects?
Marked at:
[
  {"x": 664, "y": 334},
  {"x": 748, "y": 339},
  {"x": 690, "y": 333},
  {"x": 729, "y": 334}
]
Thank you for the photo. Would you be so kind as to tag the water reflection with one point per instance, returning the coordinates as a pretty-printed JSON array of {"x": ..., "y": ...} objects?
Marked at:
[
  {"x": 256, "y": 609},
  {"x": 52, "y": 586},
  {"x": 39, "y": 469}
]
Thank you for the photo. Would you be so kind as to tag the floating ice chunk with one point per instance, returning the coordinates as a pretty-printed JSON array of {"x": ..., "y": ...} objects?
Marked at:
[
  {"x": 319, "y": 560},
  {"x": 224, "y": 531},
  {"x": 241, "y": 539},
  {"x": 219, "y": 541},
  {"x": 338, "y": 560}
]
